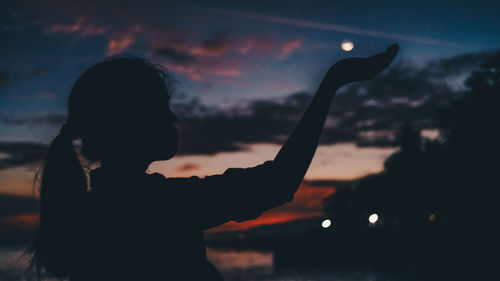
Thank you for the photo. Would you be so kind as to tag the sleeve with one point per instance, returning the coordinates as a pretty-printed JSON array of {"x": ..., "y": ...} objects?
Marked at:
[{"x": 237, "y": 195}]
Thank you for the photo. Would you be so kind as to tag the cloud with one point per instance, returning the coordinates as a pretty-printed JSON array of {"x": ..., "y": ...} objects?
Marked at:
[
  {"x": 20, "y": 74},
  {"x": 81, "y": 26},
  {"x": 53, "y": 119},
  {"x": 188, "y": 167},
  {"x": 177, "y": 57},
  {"x": 20, "y": 154},
  {"x": 258, "y": 121},
  {"x": 197, "y": 72},
  {"x": 288, "y": 47},
  {"x": 460, "y": 64},
  {"x": 217, "y": 45},
  {"x": 144, "y": 27},
  {"x": 118, "y": 42},
  {"x": 221, "y": 54},
  {"x": 197, "y": 60},
  {"x": 367, "y": 114}
]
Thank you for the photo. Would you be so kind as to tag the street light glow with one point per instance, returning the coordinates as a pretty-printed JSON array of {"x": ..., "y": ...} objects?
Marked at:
[
  {"x": 373, "y": 218},
  {"x": 326, "y": 223},
  {"x": 432, "y": 217}
]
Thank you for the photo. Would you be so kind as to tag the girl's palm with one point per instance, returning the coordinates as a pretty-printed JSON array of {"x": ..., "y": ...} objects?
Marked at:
[{"x": 361, "y": 69}]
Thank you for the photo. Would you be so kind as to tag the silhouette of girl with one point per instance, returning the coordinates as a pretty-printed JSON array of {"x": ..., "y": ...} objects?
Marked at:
[{"x": 135, "y": 226}]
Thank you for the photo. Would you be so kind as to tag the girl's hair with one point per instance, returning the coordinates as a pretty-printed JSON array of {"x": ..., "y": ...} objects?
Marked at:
[{"x": 105, "y": 91}]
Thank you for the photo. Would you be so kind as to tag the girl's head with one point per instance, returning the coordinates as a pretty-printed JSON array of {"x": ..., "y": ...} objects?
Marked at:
[{"x": 120, "y": 110}]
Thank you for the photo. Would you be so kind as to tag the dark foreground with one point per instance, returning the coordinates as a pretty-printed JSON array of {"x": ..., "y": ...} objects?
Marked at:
[{"x": 235, "y": 265}]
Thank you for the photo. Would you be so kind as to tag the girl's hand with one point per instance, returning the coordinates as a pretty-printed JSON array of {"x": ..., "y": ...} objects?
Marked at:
[{"x": 361, "y": 69}]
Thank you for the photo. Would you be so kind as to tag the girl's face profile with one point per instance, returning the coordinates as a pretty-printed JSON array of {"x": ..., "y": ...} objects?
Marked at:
[
  {"x": 163, "y": 135},
  {"x": 155, "y": 135}
]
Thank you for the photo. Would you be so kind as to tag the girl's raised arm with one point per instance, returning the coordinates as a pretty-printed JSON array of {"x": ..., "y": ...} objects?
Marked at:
[
  {"x": 292, "y": 161},
  {"x": 243, "y": 194}
]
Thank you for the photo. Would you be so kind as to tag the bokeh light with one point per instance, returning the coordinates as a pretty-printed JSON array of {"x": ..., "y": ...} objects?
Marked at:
[
  {"x": 432, "y": 217},
  {"x": 373, "y": 218},
  {"x": 326, "y": 223}
]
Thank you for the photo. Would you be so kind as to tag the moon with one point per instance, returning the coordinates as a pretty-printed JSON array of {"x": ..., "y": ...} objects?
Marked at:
[{"x": 347, "y": 46}]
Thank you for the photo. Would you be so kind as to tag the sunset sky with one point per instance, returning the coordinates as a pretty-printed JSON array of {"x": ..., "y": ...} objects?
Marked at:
[{"x": 244, "y": 72}]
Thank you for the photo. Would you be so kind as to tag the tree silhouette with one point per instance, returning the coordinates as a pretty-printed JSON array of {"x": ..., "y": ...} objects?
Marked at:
[{"x": 446, "y": 188}]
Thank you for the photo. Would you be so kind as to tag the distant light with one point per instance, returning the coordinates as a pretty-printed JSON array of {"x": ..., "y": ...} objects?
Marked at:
[
  {"x": 326, "y": 223},
  {"x": 432, "y": 217},
  {"x": 347, "y": 46},
  {"x": 373, "y": 218}
]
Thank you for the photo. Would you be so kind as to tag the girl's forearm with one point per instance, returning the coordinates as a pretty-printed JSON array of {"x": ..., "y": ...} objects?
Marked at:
[{"x": 295, "y": 156}]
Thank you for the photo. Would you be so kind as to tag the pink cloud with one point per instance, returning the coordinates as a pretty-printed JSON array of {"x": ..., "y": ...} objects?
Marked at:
[
  {"x": 255, "y": 44},
  {"x": 288, "y": 47},
  {"x": 118, "y": 42},
  {"x": 221, "y": 55},
  {"x": 169, "y": 36},
  {"x": 261, "y": 46},
  {"x": 81, "y": 26},
  {"x": 187, "y": 70},
  {"x": 121, "y": 41},
  {"x": 217, "y": 45},
  {"x": 197, "y": 72}
]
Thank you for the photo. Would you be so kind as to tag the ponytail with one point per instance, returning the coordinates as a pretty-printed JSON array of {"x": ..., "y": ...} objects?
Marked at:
[{"x": 62, "y": 191}]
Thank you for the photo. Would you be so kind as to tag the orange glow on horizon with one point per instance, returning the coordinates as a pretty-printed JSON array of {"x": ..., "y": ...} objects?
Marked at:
[
  {"x": 23, "y": 221},
  {"x": 308, "y": 203},
  {"x": 265, "y": 219}
]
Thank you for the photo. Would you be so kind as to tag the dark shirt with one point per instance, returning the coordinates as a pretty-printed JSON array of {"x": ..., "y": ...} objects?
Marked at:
[{"x": 151, "y": 227}]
